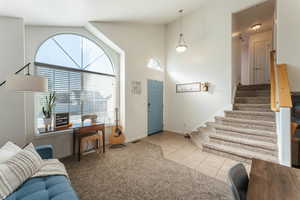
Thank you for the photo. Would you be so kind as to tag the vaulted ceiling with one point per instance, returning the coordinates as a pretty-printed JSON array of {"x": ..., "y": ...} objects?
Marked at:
[{"x": 79, "y": 12}]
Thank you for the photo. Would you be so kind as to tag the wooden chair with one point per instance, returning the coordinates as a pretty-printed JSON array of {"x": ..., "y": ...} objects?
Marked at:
[{"x": 97, "y": 137}]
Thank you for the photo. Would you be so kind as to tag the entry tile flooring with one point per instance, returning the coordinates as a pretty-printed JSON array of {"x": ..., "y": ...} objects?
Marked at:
[{"x": 181, "y": 150}]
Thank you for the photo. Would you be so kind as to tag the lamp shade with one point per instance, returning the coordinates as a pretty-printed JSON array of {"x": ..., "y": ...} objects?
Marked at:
[{"x": 27, "y": 83}]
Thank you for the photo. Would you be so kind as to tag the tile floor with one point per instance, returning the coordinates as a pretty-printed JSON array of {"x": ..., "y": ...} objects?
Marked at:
[{"x": 175, "y": 147}]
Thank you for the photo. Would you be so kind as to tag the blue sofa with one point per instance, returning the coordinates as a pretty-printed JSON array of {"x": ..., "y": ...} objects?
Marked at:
[{"x": 45, "y": 188}]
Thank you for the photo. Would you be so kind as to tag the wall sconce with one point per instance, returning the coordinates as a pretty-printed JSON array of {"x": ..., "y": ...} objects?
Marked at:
[{"x": 204, "y": 87}]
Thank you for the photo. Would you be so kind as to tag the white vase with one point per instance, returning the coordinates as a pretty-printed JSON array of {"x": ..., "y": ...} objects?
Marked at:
[{"x": 47, "y": 123}]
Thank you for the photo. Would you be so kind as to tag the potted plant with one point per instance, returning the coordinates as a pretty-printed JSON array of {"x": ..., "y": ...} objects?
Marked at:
[{"x": 48, "y": 108}]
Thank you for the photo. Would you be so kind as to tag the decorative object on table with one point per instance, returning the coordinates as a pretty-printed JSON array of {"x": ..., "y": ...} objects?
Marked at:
[
  {"x": 47, "y": 110},
  {"x": 136, "y": 87},
  {"x": 27, "y": 82},
  {"x": 181, "y": 47},
  {"x": 117, "y": 137},
  {"x": 188, "y": 87},
  {"x": 204, "y": 86},
  {"x": 61, "y": 119}
]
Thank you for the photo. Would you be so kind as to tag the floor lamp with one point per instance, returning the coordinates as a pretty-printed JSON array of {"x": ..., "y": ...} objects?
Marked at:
[{"x": 26, "y": 82}]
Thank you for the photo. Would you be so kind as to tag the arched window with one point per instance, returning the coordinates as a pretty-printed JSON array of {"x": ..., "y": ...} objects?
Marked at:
[{"x": 80, "y": 73}]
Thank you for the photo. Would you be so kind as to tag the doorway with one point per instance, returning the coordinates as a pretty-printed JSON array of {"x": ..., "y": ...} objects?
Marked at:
[
  {"x": 261, "y": 63},
  {"x": 155, "y": 106},
  {"x": 253, "y": 33}
]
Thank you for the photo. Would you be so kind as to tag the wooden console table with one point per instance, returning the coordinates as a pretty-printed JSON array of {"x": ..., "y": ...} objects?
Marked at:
[
  {"x": 86, "y": 130},
  {"x": 80, "y": 131},
  {"x": 270, "y": 181}
]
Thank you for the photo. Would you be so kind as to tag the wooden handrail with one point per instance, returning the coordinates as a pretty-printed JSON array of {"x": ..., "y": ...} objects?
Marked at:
[
  {"x": 280, "y": 89},
  {"x": 285, "y": 99},
  {"x": 273, "y": 82}
]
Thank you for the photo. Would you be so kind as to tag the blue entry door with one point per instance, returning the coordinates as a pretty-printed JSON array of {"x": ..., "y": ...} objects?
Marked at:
[{"x": 155, "y": 106}]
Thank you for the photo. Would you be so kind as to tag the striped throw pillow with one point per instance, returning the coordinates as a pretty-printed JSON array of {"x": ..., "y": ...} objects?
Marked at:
[{"x": 18, "y": 169}]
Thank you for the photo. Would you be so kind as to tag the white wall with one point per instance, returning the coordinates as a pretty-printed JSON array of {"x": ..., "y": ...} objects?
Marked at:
[
  {"x": 236, "y": 55},
  {"x": 288, "y": 41},
  {"x": 34, "y": 37},
  {"x": 12, "y": 121},
  {"x": 208, "y": 35},
  {"x": 140, "y": 42}
]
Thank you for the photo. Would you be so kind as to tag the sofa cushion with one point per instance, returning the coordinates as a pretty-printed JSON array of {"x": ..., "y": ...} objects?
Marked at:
[
  {"x": 18, "y": 169},
  {"x": 45, "y": 188},
  {"x": 8, "y": 151}
]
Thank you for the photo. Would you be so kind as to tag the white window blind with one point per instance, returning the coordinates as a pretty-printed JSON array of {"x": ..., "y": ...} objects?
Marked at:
[{"x": 79, "y": 93}]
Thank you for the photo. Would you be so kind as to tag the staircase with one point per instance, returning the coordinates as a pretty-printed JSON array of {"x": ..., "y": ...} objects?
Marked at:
[{"x": 249, "y": 131}]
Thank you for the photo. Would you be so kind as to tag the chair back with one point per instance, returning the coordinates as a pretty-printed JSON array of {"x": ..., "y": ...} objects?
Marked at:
[
  {"x": 93, "y": 118},
  {"x": 239, "y": 180}
]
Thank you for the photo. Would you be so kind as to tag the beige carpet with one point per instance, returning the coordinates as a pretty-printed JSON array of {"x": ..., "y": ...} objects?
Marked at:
[{"x": 139, "y": 171}]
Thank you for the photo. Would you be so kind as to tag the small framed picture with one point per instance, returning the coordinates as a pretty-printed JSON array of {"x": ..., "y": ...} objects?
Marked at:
[
  {"x": 61, "y": 119},
  {"x": 188, "y": 87},
  {"x": 136, "y": 87}
]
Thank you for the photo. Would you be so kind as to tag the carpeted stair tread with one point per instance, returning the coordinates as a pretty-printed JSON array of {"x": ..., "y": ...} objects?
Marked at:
[
  {"x": 252, "y": 107},
  {"x": 250, "y": 114},
  {"x": 253, "y": 93},
  {"x": 254, "y": 87},
  {"x": 246, "y": 141},
  {"x": 252, "y": 100},
  {"x": 242, "y": 130},
  {"x": 246, "y": 112},
  {"x": 247, "y": 121},
  {"x": 249, "y": 136},
  {"x": 246, "y": 154}
]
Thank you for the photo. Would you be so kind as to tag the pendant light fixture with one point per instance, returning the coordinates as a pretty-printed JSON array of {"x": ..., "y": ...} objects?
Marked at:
[
  {"x": 181, "y": 47},
  {"x": 256, "y": 27}
]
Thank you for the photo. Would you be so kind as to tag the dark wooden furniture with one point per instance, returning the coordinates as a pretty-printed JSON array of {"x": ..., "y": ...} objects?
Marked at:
[
  {"x": 269, "y": 181},
  {"x": 87, "y": 130}
]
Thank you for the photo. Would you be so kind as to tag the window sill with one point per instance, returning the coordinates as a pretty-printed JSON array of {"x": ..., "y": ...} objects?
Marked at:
[
  {"x": 52, "y": 134},
  {"x": 62, "y": 132}
]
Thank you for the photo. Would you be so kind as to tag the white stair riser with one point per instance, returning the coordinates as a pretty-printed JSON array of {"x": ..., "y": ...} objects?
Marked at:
[
  {"x": 248, "y": 136},
  {"x": 258, "y": 149},
  {"x": 246, "y": 125},
  {"x": 250, "y": 116}
]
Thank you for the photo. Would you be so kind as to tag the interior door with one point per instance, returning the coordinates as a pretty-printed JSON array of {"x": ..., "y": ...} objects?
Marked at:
[
  {"x": 155, "y": 106},
  {"x": 261, "y": 62}
]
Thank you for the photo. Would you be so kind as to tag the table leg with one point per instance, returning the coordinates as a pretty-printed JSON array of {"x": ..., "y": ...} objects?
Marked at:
[
  {"x": 79, "y": 149},
  {"x": 103, "y": 139},
  {"x": 74, "y": 143}
]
